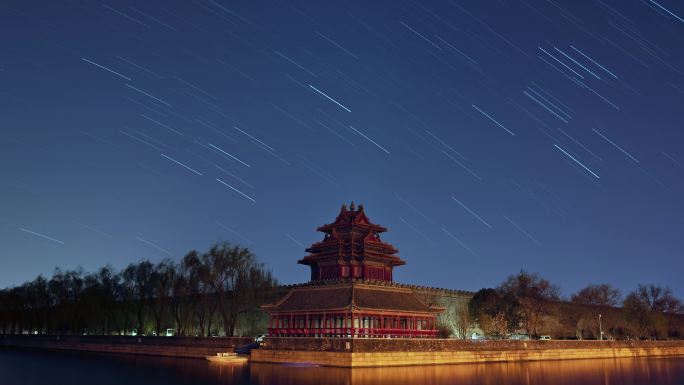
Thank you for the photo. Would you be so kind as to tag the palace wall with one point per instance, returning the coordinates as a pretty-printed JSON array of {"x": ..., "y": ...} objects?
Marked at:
[{"x": 454, "y": 302}]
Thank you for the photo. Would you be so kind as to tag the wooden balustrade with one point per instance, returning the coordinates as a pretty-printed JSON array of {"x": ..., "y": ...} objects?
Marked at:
[{"x": 346, "y": 332}]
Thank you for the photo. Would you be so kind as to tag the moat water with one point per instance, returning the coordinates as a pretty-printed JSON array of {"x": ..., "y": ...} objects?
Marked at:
[{"x": 38, "y": 368}]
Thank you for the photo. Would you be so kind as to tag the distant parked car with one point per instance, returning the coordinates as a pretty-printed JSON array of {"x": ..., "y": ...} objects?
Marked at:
[
  {"x": 519, "y": 337},
  {"x": 260, "y": 338},
  {"x": 544, "y": 338}
]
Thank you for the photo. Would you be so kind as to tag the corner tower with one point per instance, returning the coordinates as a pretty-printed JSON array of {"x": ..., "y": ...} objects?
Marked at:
[
  {"x": 351, "y": 293},
  {"x": 351, "y": 249}
]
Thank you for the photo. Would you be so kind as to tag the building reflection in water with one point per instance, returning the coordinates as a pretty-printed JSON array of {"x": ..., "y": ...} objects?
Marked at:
[
  {"x": 26, "y": 367},
  {"x": 575, "y": 372}
]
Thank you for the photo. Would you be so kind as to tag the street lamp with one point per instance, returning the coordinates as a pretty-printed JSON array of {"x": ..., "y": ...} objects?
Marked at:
[{"x": 600, "y": 329}]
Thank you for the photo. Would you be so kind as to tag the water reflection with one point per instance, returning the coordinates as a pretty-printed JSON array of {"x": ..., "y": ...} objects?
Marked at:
[
  {"x": 584, "y": 372},
  {"x": 23, "y": 367}
]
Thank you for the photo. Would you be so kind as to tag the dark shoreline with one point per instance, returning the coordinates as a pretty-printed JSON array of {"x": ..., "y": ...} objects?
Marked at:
[{"x": 181, "y": 347}]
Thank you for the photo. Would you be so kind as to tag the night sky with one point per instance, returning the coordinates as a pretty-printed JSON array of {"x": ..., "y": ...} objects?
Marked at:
[{"x": 488, "y": 136}]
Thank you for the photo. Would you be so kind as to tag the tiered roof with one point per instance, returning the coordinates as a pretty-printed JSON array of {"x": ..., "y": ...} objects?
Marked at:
[
  {"x": 420, "y": 288},
  {"x": 352, "y": 237},
  {"x": 354, "y": 296}
]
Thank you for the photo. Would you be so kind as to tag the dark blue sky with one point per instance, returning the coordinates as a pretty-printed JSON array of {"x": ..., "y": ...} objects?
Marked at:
[{"x": 488, "y": 136}]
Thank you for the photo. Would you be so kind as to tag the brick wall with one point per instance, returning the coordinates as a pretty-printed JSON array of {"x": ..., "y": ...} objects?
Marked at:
[{"x": 403, "y": 352}]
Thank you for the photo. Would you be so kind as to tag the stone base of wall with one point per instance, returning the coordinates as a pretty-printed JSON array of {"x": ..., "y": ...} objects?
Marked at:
[
  {"x": 182, "y": 347},
  {"x": 352, "y": 359}
]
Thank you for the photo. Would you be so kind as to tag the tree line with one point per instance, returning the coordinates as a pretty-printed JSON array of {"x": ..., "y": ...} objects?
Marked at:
[
  {"x": 218, "y": 293},
  {"x": 204, "y": 294},
  {"x": 526, "y": 304}
]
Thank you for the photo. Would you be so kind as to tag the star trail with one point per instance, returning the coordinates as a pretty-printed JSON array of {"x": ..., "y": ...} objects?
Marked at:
[{"x": 138, "y": 130}]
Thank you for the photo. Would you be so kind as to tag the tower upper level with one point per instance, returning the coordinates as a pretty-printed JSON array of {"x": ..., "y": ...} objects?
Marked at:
[{"x": 351, "y": 249}]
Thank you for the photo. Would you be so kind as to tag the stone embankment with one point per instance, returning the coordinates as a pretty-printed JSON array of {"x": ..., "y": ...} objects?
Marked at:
[
  {"x": 186, "y": 347},
  {"x": 370, "y": 352},
  {"x": 357, "y": 352}
]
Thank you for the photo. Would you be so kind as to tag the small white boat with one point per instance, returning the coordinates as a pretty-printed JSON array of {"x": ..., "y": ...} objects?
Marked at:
[{"x": 233, "y": 358}]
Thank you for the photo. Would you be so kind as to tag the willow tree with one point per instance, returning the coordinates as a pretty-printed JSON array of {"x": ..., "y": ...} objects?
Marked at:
[
  {"x": 238, "y": 281},
  {"x": 162, "y": 278},
  {"x": 139, "y": 291}
]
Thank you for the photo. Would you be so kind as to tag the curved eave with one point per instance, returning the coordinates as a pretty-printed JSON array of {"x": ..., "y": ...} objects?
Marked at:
[
  {"x": 358, "y": 311},
  {"x": 330, "y": 226},
  {"x": 394, "y": 311},
  {"x": 311, "y": 260},
  {"x": 314, "y": 311}
]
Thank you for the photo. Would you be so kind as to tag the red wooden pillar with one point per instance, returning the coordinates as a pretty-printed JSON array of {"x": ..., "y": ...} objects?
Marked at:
[
  {"x": 351, "y": 324},
  {"x": 369, "y": 328},
  {"x": 346, "y": 324},
  {"x": 371, "y": 325},
  {"x": 355, "y": 324},
  {"x": 320, "y": 323},
  {"x": 306, "y": 325},
  {"x": 364, "y": 329}
]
